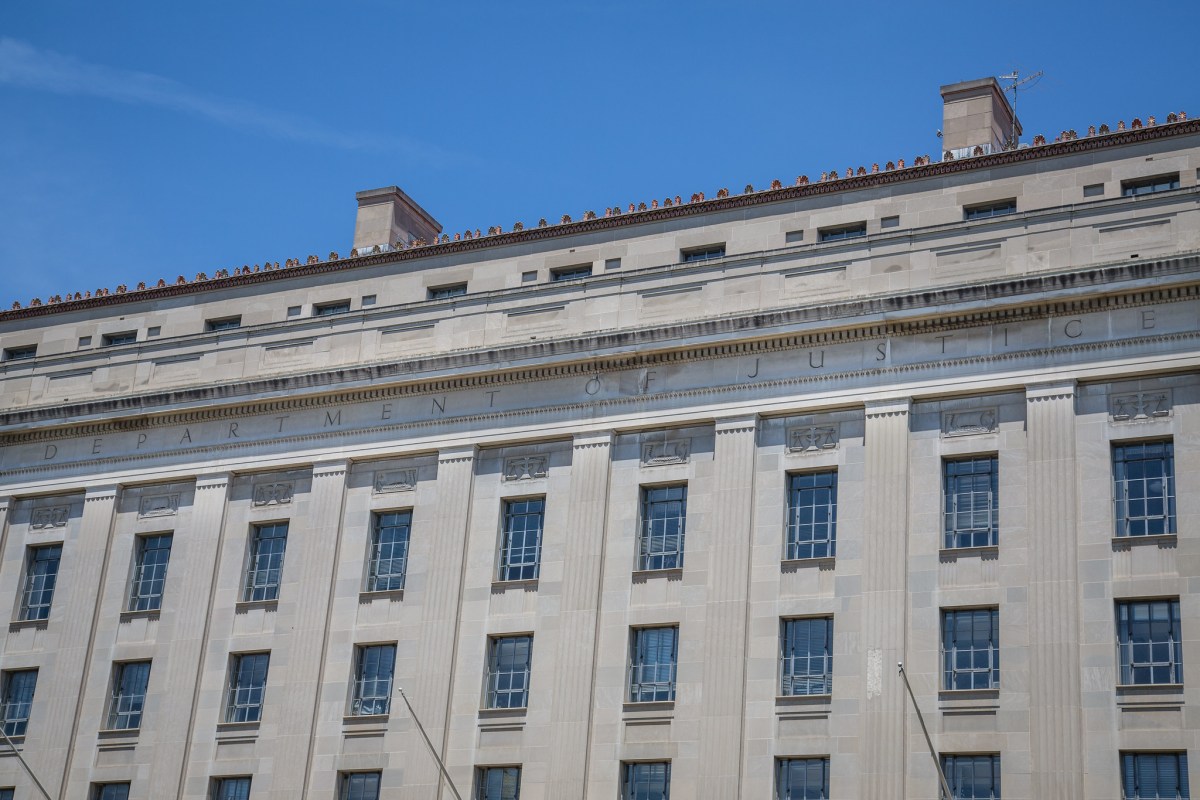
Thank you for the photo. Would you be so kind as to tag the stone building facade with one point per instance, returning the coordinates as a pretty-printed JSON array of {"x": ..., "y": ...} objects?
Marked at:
[{"x": 661, "y": 496}]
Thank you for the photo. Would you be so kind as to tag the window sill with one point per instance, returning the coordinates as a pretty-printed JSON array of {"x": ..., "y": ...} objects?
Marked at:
[
  {"x": 237, "y": 731},
  {"x": 18, "y": 742},
  {"x": 984, "y": 552},
  {"x": 528, "y": 584},
  {"x": 648, "y": 712},
  {"x": 820, "y": 562},
  {"x": 648, "y": 705},
  {"x": 790, "y": 700},
  {"x": 242, "y": 606},
  {"x": 365, "y": 720},
  {"x": 670, "y": 573},
  {"x": 385, "y": 594},
  {"x": 21, "y": 624},
  {"x": 1162, "y": 540},
  {"x": 110, "y": 734},
  {"x": 503, "y": 713},
  {"x": 952, "y": 701},
  {"x": 1150, "y": 695},
  {"x": 149, "y": 613}
]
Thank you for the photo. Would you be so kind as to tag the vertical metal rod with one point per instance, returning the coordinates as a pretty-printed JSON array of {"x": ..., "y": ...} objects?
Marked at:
[
  {"x": 429, "y": 744},
  {"x": 937, "y": 764},
  {"x": 21, "y": 758}
]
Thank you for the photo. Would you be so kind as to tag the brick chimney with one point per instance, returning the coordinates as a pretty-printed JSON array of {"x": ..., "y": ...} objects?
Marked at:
[
  {"x": 387, "y": 216},
  {"x": 976, "y": 113}
]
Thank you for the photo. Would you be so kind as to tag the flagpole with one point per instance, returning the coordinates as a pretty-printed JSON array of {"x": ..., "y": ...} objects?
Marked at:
[
  {"x": 937, "y": 764},
  {"x": 429, "y": 744}
]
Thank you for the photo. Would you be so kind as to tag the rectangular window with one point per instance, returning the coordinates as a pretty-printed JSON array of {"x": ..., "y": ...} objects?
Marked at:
[
  {"x": 20, "y": 353},
  {"x": 970, "y": 514},
  {"x": 446, "y": 292},
  {"x": 646, "y": 780},
  {"x": 971, "y": 648},
  {"x": 1144, "y": 488},
  {"x": 41, "y": 575},
  {"x": 653, "y": 655},
  {"x": 571, "y": 273},
  {"x": 7, "y": 793},
  {"x": 329, "y": 309},
  {"x": 265, "y": 567},
  {"x": 1159, "y": 183},
  {"x": 222, "y": 324},
  {"x": 664, "y": 520},
  {"x": 389, "y": 551},
  {"x": 1154, "y": 776},
  {"x": 986, "y": 210},
  {"x": 702, "y": 253},
  {"x": 498, "y": 783},
  {"x": 802, "y": 779},
  {"x": 509, "y": 659},
  {"x": 806, "y": 656},
  {"x": 842, "y": 232},
  {"x": 124, "y": 337},
  {"x": 110, "y": 791},
  {"x": 1149, "y": 642},
  {"x": 521, "y": 548},
  {"x": 373, "y": 670},
  {"x": 1093, "y": 190},
  {"x": 247, "y": 684},
  {"x": 128, "y": 695},
  {"x": 973, "y": 776},
  {"x": 812, "y": 515},
  {"x": 19, "y": 686},
  {"x": 359, "y": 786},
  {"x": 231, "y": 789},
  {"x": 149, "y": 572}
]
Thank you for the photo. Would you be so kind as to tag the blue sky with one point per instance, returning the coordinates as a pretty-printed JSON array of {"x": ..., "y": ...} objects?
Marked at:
[{"x": 141, "y": 140}]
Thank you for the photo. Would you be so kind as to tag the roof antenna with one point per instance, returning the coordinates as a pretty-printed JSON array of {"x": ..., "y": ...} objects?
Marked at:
[{"x": 1017, "y": 82}]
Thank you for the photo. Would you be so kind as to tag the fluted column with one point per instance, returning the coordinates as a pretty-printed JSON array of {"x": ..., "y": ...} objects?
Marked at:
[
  {"x": 575, "y": 646},
  {"x": 1055, "y": 715},
  {"x": 884, "y": 599}
]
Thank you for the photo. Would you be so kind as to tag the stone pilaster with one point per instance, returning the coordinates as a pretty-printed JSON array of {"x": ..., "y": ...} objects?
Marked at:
[
  {"x": 1055, "y": 715},
  {"x": 884, "y": 599}
]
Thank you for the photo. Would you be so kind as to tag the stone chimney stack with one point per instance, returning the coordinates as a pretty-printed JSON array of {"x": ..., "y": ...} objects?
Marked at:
[
  {"x": 387, "y": 216},
  {"x": 976, "y": 114}
]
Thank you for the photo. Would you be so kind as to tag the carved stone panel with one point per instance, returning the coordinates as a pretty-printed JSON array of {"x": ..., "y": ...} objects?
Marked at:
[
  {"x": 812, "y": 438},
  {"x": 50, "y": 517},
  {"x": 1136, "y": 406},
  {"x": 273, "y": 494},
  {"x": 969, "y": 422},
  {"x": 159, "y": 505},
  {"x": 396, "y": 480},
  {"x": 672, "y": 451},
  {"x": 523, "y": 468}
]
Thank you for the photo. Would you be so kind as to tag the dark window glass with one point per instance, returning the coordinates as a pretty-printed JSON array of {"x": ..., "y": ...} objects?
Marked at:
[
  {"x": 20, "y": 353},
  {"x": 149, "y": 572},
  {"x": 1149, "y": 642},
  {"x": 703, "y": 253},
  {"x": 806, "y": 656},
  {"x": 812, "y": 515},
  {"x": 327, "y": 309},
  {"x": 664, "y": 520},
  {"x": 265, "y": 568},
  {"x": 802, "y": 779},
  {"x": 231, "y": 789},
  {"x": 446, "y": 292},
  {"x": 498, "y": 783},
  {"x": 224, "y": 324},
  {"x": 653, "y": 655},
  {"x": 359, "y": 786},
  {"x": 991, "y": 210},
  {"x": 521, "y": 548},
  {"x": 19, "y": 686},
  {"x": 1144, "y": 488},
  {"x": 971, "y": 516},
  {"x": 971, "y": 648},
  {"x": 972, "y": 777},
  {"x": 1161, "y": 183},
  {"x": 647, "y": 781},
  {"x": 247, "y": 684},
  {"x": 110, "y": 791},
  {"x": 128, "y": 695},
  {"x": 389, "y": 551},
  {"x": 508, "y": 672},
  {"x": 124, "y": 337},
  {"x": 1154, "y": 776},
  {"x": 843, "y": 232},
  {"x": 375, "y": 667},
  {"x": 41, "y": 575},
  {"x": 571, "y": 273},
  {"x": 6, "y": 794}
]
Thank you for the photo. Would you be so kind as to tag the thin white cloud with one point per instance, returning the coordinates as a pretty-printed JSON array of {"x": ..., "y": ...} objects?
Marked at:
[{"x": 23, "y": 65}]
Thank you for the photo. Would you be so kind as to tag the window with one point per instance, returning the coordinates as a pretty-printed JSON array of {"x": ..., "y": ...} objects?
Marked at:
[
  {"x": 791, "y": 237},
  {"x": 373, "y": 671},
  {"x": 153, "y": 331},
  {"x": 529, "y": 277},
  {"x": 149, "y": 572},
  {"x": 231, "y": 789},
  {"x": 110, "y": 791},
  {"x": 664, "y": 519},
  {"x": 359, "y": 786},
  {"x": 265, "y": 567},
  {"x": 970, "y": 488},
  {"x": 973, "y": 776},
  {"x": 842, "y": 232},
  {"x": 446, "y": 292},
  {"x": 223, "y": 324},
  {"x": 498, "y": 783},
  {"x": 812, "y": 515},
  {"x": 1159, "y": 183},
  {"x": 889, "y": 222},
  {"x": 521, "y": 548},
  {"x": 124, "y": 337},
  {"x": 986, "y": 210},
  {"x": 1093, "y": 190},
  {"x": 653, "y": 654},
  {"x": 508, "y": 672},
  {"x": 18, "y": 690},
  {"x": 702, "y": 253},
  {"x": 389, "y": 551},
  {"x": 1149, "y": 643},
  {"x": 128, "y": 695},
  {"x": 806, "y": 656},
  {"x": 247, "y": 683},
  {"x": 571, "y": 273},
  {"x": 85, "y": 341},
  {"x": 971, "y": 648},
  {"x": 1154, "y": 776},
  {"x": 612, "y": 263},
  {"x": 648, "y": 780},
  {"x": 41, "y": 575},
  {"x": 802, "y": 779},
  {"x": 20, "y": 353},
  {"x": 329, "y": 309},
  {"x": 1144, "y": 488},
  {"x": 7, "y": 793}
]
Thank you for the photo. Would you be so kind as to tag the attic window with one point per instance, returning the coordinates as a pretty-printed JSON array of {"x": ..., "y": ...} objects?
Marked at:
[
  {"x": 571, "y": 273},
  {"x": 446, "y": 292},
  {"x": 329, "y": 309},
  {"x": 113, "y": 339},
  {"x": 702, "y": 253},
  {"x": 222, "y": 324},
  {"x": 842, "y": 232},
  {"x": 20, "y": 353},
  {"x": 986, "y": 210},
  {"x": 1159, "y": 183}
]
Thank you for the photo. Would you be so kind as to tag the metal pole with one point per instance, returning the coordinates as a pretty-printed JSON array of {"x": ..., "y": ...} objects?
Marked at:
[
  {"x": 21, "y": 758},
  {"x": 937, "y": 764},
  {"x": 429, "y": 744}
]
